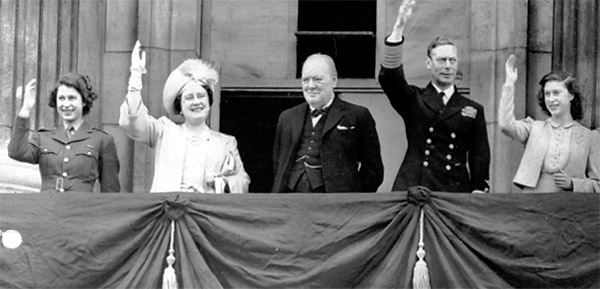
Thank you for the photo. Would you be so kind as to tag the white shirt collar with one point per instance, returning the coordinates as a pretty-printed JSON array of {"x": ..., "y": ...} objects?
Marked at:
[
  {"x": 448, "y": 91},
  {"x": 76, "y": 126},
  {"x": 325, "y": 106}
]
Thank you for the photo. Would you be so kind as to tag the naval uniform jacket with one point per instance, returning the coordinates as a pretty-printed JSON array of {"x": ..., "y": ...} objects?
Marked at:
[
  {"x": 448, "y": 146},
  {"x": 350, "y": 151},
  {"x": 68, "y": 164}
]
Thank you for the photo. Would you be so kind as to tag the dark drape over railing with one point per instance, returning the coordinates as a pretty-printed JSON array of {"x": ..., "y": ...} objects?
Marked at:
[{"x": 300, "y": 241}]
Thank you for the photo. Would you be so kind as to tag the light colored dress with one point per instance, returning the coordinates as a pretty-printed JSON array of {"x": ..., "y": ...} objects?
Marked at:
[
  {"x": 183, "y": 162},
  {"x": 551, "y": 148}
]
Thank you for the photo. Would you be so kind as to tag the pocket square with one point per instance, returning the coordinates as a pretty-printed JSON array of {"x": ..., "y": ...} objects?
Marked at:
[
  {"x": 341, "y": 127},
  {"x": 469, "y": 111}
]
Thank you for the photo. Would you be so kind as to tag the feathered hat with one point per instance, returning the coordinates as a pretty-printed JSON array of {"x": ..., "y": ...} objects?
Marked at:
[{"x": 197, "y": 70}]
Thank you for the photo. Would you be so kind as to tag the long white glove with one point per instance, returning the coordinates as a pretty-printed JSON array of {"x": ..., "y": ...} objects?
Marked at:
[
  {"x": 138, "y": 67},
  {"x": 28, "y": 95},
  {"x": 506, "y": 114}
]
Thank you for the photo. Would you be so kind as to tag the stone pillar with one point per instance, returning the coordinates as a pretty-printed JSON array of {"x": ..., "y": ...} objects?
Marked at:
[
  {"x": 539, "y": 52},
  {"x": 575, "y": 50},
  {"x": 498, "y": 29}
]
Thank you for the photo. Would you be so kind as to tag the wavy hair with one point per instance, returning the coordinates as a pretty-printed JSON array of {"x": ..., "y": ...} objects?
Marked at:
[
  {"x": 572, "y": 86},
  {"x": 80, "y": 83}
]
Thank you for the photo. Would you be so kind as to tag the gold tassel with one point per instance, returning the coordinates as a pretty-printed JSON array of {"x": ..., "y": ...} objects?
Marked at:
[
  {"x": 169, "y": 277},
  {"x": 420, "y": 272}
]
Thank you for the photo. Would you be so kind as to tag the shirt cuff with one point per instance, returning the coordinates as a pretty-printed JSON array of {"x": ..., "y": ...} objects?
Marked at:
[{"x": 392, "y": 54}]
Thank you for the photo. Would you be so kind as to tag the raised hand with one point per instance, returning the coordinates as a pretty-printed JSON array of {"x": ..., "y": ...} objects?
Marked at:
[
  {"x": 138, "y": 63},
  {"x": 28, "y": 95},
  {"x": 404, "y": 13},
  {"x": 138, "y": 67},
  {"x": 511, "y": 70}
]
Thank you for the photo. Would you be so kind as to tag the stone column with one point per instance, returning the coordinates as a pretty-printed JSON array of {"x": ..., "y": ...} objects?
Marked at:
[{"x": 498, "y": 29}]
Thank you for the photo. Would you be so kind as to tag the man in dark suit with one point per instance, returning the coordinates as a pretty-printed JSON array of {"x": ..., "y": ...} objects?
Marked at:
[
  {"x": 326, "y": 144},
  {"x": 448, "y": 147}
]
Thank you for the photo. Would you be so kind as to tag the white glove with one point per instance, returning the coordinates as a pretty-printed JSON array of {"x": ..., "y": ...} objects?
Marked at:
[
  {"x": 138, "y": 67},
  {"x": 28, "y": 95}
]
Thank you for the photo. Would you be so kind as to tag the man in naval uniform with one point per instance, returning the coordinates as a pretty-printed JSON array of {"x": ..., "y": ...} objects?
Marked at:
[{"x": 448, "y": 147}]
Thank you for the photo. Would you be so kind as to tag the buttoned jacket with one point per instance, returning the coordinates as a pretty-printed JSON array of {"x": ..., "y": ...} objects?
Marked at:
[
  {"x": 350, "y": 150},
  {"x": 448, "y": 146},
  {"x": 68, "y": 164},
  {"x": 583, "y": 164}
]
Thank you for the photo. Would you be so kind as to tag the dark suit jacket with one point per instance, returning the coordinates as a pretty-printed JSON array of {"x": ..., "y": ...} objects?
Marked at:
[
  {"x": 350, "y": 151},
  {"x": 89, "y": 155},
  {"x": 448, "y": 149}
]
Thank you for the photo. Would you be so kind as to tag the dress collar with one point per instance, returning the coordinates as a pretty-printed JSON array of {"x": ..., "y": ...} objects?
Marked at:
[{"x": 557, "y": 125}]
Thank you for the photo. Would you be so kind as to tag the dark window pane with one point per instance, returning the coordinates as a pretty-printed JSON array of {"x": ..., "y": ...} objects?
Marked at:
[
  {"x": 252, "y": 118},
  {"x": 342, "y": 29},
  {"x": 336, "y": 15},
  {"x": 354, "y": 55}
]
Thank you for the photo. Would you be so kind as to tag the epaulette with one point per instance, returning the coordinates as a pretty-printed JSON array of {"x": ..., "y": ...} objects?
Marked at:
[{"x": 95, "y": 128}]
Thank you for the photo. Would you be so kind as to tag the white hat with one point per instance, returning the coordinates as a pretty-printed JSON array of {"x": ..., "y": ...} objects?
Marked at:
[{"x": 190, "y": 70}]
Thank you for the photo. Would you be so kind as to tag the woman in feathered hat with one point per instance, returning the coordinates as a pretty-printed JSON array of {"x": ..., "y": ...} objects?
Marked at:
[{"x": 190, "y": 157}]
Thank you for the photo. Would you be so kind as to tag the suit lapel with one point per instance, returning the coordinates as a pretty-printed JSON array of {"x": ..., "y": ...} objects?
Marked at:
[
  {"x": 431, "y": 98},
  {"x": 60, "y": 134},
  {"x": 82, "y": 133},
  {"x": 335, "y": 113},
  {"x": 455, "y": 105},
  {"x": 297, "y": 123},
  {"x": 577, "y": 145}
]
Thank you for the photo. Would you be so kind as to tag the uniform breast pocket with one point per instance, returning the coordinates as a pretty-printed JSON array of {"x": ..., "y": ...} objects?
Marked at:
[
  {"x": 48, "y": 158},
  {"x": 345, "y": 135},
  {"x": 86, "y": 161}
]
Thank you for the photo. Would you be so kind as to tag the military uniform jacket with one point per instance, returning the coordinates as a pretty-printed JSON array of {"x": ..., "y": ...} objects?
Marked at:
[
  {"x": 448, "y": 147},
  {"x": 68, "y": 164},
  {"x": 350, "y": 151}
]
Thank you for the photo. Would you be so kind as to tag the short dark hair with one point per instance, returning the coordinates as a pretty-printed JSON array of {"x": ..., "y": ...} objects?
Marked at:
[
  {"x": 572, "y": 86},
  {"x": 439, "y": 41},
  {"x": 80, "y": 83},
  {"x": 177, "y": 101}
]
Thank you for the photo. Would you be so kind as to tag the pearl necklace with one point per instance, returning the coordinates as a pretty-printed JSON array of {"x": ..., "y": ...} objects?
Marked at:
[{"x": 196, "y": 139}]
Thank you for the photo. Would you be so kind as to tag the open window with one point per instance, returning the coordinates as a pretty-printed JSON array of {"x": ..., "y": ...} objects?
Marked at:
[{"x": 342, "y": 29}]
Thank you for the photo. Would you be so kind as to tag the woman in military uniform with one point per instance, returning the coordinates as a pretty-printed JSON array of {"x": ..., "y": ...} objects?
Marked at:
[{"x": 73, "y": 156}]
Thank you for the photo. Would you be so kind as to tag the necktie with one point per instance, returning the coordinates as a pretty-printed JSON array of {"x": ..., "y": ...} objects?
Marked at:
[
  {"x": 70, "y": 132},
  {"x": 317, "y": 112},
  {"x": 442, "y": 103}
]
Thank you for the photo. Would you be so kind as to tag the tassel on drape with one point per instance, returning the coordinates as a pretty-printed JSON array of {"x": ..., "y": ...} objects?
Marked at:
[
  {"x": 420, "y": 272},
  {"x": 169, "y": 277}
]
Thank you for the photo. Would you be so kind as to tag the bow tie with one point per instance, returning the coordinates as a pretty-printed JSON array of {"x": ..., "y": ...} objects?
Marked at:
[{"x": 317, "y": 112}]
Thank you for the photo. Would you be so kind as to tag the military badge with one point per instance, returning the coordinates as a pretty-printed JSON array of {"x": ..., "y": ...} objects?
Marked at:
[{"x": 469, "y": 111}]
